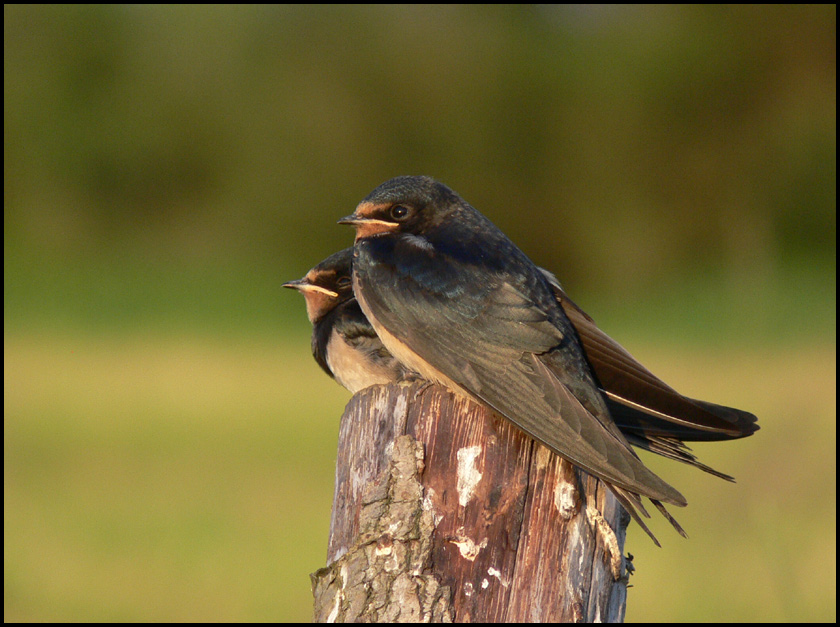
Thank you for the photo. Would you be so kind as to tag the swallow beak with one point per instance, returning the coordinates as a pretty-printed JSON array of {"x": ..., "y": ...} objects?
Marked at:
[
  {"x": 352, "y": 220},
  {"x": 296, "y": 285},
  {"x": 304, "y": 286},
  {"x": 319, "y": 300},
  {"x": 366, "y": 227}
]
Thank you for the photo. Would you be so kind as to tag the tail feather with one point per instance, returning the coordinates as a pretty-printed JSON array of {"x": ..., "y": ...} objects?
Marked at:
[
  {"x": 633, "y": 504},
  {"x": 675, "y": 449},
  {"x": 669, "y": 518}
]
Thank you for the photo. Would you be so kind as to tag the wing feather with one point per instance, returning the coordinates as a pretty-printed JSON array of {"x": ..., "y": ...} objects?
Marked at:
[
  {"x": 496, "y": 343},
  {"x": 647, "y": 404}
]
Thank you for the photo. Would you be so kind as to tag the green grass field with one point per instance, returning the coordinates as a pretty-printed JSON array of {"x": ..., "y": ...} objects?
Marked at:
[{"x": 160, "y": 477}]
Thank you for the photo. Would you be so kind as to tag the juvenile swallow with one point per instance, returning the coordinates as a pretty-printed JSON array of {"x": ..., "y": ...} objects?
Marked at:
[
  {"x": 343, "y": 341},
  {"x": 457, "y": 302}
]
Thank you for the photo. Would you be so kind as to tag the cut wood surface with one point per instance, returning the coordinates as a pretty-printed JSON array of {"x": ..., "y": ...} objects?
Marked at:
[{"x": 444, "y": 511}]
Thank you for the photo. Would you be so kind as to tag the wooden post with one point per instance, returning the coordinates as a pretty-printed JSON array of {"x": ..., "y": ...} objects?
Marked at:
[{"x": 444, "y": 511}]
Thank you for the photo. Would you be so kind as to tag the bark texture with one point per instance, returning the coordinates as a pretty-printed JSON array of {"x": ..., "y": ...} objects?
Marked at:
[{"x": 444, "y": 511}]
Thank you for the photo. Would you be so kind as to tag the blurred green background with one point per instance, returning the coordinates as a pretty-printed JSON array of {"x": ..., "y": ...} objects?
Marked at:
[{"x": 169, "y": 442}]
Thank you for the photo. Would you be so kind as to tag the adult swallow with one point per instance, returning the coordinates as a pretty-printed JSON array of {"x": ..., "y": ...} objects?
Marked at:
[
  {"x": 343, "y": 341},
  {"x": 457, "y": 302}
]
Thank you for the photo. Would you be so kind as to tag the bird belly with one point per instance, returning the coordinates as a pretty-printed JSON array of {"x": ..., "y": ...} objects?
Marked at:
[{"x": 353, "y": 370}]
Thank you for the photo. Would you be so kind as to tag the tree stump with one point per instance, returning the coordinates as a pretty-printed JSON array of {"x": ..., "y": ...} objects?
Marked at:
[{"x": 444, "y": 511}]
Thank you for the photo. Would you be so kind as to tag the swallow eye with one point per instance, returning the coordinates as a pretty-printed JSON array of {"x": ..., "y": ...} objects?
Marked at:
[
  {"x": 400, "y": 212},
  {"x": 344, "y": 282}
]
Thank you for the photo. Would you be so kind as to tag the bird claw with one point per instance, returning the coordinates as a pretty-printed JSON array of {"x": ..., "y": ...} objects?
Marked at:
[{"x": 628, "y": 564}]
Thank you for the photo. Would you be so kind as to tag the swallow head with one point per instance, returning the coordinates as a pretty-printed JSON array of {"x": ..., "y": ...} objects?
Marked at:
[
  {"x": 327, "y": 285},
  {"x": 406, "y": 204}
]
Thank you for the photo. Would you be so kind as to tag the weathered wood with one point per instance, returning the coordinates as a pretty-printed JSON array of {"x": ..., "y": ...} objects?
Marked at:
[{"x": 445, "y": 511}]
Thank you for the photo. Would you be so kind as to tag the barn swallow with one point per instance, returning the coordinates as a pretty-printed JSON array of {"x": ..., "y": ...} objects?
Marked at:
[
  {"x": 343, "y": 341},
  {"x": 650, "y": 414},
  {"x": 457, "y": 302}
]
